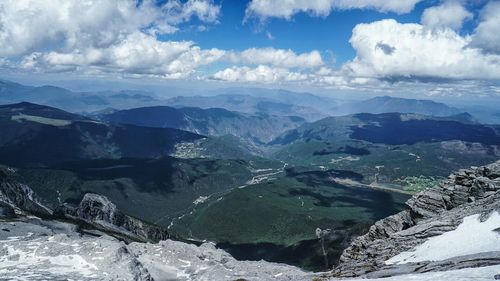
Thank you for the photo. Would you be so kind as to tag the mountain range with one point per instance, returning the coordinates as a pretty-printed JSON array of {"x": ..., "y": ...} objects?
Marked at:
[
  {"x": 36, "y": 135},
  {"x": 386, "y": 104},
  {"x": 260, "y": 128},
  {"x": 213, "y": 173}
]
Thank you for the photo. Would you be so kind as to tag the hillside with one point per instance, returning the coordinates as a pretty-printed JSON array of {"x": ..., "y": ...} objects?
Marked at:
[
  {"x": 387, "y": 104},
  {"x": 34, "y": 135},
  {"x": 213, "y": 121},
  {"x": 408, "y": 150}
]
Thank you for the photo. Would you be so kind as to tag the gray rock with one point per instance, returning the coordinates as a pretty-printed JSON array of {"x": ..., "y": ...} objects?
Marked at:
[
  {"x": 99, "y": 211},
  {"x": 431, "y": 213},
  {"x": 40, "y": 250},
  {"x": 19, "y": 197}
]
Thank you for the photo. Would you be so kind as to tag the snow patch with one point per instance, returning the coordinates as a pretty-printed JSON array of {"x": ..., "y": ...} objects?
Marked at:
[{"x": 471, "y": 237}]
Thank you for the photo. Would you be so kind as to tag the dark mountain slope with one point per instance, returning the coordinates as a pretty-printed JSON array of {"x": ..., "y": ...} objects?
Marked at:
[
  {"x": 213, "y": 121},
  {"x": 393, "y": 128},
  {"x": 40, "y": 135},
  {"x": 397, "y": 129}
]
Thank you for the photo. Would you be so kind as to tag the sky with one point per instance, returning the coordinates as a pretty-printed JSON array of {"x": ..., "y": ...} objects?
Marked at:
[{"x": 433, "y": 48}]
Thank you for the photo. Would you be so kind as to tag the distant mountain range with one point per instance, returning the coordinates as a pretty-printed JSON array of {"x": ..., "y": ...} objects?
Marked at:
[
  {"x": 260, "y": 128},
  {"x": 254, "y": 101},
  {"x": 248, "y": 104},
  {"x": 386, "y": 104},
  {"x": 11, "y": 92}
]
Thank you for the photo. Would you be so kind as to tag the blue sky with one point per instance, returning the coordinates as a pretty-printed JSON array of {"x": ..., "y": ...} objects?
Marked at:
[
  {"x": 431, "y": 47},
  {"x": 303, "y": 33}
]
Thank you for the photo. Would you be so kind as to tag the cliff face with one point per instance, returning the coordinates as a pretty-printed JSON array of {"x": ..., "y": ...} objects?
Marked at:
[
  {"x": 431, "y": 213},
  {"x": 94, "y": 210},
  {"x": 99, "y": 211},
  {"x": 18, "y": 198}
]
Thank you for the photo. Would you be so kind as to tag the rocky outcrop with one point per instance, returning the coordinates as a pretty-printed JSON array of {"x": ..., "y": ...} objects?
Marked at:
[
  {"x": 53, "y": 250},
  {"x": 96, "y": 210},
  {"x": 431, "y": 213},
  {"x": 99, "y": 211},
  {"x": 18, "y": 198}
]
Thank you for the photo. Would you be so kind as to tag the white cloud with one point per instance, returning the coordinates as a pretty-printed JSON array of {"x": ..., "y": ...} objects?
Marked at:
[
  {"x": 177, "y": 12},
  {"x": 277, "y": 57},
  {"x": 286, "y": 9},
  {"x": 487, "y": 34},
  {"x": 137, "y": 54},
  {"x": 260, "y": 74},
  {"x": 31, "y": 25},
  {"x": 103, "y": 36},
  {"x": 450, "y": 14},
  {"x": 387, "y": 48}
]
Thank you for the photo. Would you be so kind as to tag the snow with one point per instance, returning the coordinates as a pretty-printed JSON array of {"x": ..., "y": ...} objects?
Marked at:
[
  {"x": 467, "y": 274},
  {"x": 470, "y": 237},
  {"x": 71, "y": 256}
]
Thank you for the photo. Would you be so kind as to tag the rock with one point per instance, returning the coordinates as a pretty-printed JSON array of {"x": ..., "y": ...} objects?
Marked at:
[
  {"x": 19, "y": 197},
  {"x": 99, "y": 211},
  {"x": 431, "y": 213},
  {"x": 64, "y": 254}
]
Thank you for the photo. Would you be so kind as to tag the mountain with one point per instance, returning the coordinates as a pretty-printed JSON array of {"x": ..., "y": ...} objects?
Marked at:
[
  {"x": 213, "y": 121},
  {"x": 11, "y": 92},
  {"x": 320, "y": 103},
  {"x": 246, "y": 100},
  {"x": 436, "y": 232},
  {"x": 394, "y": 129},
  {"x": 86, "y": 242},
  {"x": 411, "y": 245},
  {"x": 248, "y": 104},
  {"x": 386, "y": 104},
  {"x": 40, "y": 135},
  {"x": 65, "y": 155},
  {"x": 409, "y": 150}
]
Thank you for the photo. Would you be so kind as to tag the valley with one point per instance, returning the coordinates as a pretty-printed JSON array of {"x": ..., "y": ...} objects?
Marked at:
[{"x": 260, "y": 184}]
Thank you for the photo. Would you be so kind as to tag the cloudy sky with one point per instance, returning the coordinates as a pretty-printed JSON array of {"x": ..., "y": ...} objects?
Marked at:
[{"x": 448, "y": 47}]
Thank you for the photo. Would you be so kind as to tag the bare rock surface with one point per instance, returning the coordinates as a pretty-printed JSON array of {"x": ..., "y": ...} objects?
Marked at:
[
  {"x": 99, "y": 211},
  {"x": 16, "y": 197},
  {"x": 431, "y": 213},
  {"x": 34, "y": 249}
]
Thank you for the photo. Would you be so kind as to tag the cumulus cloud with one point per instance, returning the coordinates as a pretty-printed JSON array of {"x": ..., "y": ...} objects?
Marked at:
[
  {"x": 138, "y": 54},
  {"x": 387, "y": 48},
  {"x": 31, "y": 25},
  {"x": 260, "y": 74},
  {"x": 450, "y": 14},
  {"x": 487, "y": 34},
  {"x": 277, "y": 57},
  {"x": 103, "y": 36},
  {"x": 286, "y": 9}
]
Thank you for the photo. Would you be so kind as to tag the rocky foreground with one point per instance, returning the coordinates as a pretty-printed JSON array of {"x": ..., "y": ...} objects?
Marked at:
[
  {"x": 451, "y": 232},
  {"x": 431, "y": 213}
]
